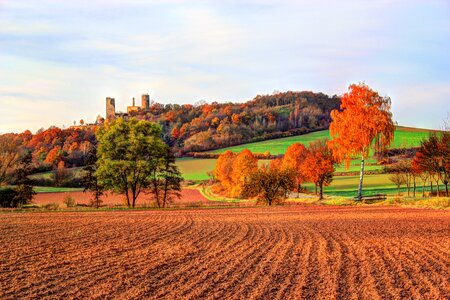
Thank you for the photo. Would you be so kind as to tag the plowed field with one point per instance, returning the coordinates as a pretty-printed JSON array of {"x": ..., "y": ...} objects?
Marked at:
[{"x": 270, "y": 253}]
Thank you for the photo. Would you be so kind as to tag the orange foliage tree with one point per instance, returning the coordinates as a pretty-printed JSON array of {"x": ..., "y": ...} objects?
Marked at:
[
  {"x": 364, "y": 120},
  {"x": 293, "y": 159},
  {"x": 318, "y": 166},
  {"x": 222, "y": 171},
  {"x": 243, "y": 165}
]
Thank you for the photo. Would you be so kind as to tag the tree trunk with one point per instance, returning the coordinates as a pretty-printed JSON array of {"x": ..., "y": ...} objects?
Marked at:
[
  {"x": 423, "y": 189},
  {"x": 431, "y": 186},
  {"x": 321, "y": 190},
  {"x": 414, "y": 189},
  {"x": 408, "y": 184},
  {"x": 165, "y": 193},
  {"x": 315, "y": 186},
  {"x": 361, "y": 178},
  {"x": 437, "y": 187}
]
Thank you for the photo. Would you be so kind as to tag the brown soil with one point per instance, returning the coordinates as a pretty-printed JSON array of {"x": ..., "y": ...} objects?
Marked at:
[
  {"x": 188, "y": 197},
  {"x": 248, "y": 253}
]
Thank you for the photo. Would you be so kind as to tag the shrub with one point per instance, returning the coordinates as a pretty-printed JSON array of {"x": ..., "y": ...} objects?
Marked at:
[
  {"x": 8, "y": 197},
  {"x": 69, "y": 201}
]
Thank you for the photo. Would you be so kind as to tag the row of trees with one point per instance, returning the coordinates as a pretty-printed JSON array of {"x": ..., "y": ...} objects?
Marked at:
[
  {"x": 238, "y": 175},
  {"x": 431, "y": 164}
]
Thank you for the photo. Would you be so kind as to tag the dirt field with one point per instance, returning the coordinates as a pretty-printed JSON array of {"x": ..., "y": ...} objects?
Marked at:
[
  {"x": 188, "y": 197},
  {"x": 272, "y": 253}
]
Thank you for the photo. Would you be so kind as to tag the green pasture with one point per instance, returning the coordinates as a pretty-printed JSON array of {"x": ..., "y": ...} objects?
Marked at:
[
  {"x": 404, "y": 137},
  {"x": 49, "y": 189},
  {"x": 347, "y": 186}
]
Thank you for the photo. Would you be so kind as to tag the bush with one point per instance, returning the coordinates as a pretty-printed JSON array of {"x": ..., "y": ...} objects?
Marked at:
[
  {"x": 8, "y": 198},
  {"x": 69, "y": 201}
]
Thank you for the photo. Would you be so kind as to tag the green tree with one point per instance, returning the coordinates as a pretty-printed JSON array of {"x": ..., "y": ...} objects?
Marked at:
[
  {"x": 166, "y": 179},
  {"x": 128, "y": 153},
  {"x": 90, "y": 179}
]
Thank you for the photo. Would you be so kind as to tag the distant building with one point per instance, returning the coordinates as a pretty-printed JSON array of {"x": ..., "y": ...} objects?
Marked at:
[{"x": 111, "y": 107}]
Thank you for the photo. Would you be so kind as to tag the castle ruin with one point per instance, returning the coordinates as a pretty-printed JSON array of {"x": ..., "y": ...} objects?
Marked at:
[{"x": 111, "y": 107}]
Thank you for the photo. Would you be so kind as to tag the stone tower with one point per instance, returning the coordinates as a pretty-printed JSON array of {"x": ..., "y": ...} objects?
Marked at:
[
  {"x": 110, "y": 108},
  {"x": 145, "y": 102}
]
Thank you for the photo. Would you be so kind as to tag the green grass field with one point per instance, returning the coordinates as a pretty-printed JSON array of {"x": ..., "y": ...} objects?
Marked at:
[
  {"x": 404, "y": 137},
  {"x": 347, "y": 186}
]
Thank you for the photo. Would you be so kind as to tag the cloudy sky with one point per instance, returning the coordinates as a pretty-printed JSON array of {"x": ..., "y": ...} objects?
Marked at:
[{"x": 60, "y": 59}]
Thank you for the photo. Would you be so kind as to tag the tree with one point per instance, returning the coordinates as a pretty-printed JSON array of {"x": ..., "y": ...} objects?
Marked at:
[
  {"x": 433, "y": 156},
  {"x": 363, "y": 120},
  {"x": 318, "y": 166},
  {"x": 166, "y": 180},
  {"x": 24, "y": 186},
  {"x": 243, "y": 166},
  {"x": 293, "y": 159},
  {"x": 90, "y": 179},
  {"x": 270, "y": 184},
  {"x": 61, "y": 175},
  {"x": 398, "y": 178},
  {"x": 222, "y": 171},
  {"x": 9, "y": 156},
  {"x": 128, "y": 153}
]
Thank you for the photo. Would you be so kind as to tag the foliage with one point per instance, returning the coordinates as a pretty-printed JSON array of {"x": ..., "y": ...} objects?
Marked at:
[
  {"x": 364, "y": 119},
  {"x": 243, "y": 165},
  {"x": 69, "y": 201},
  {"x": 294, "y": 159},
  {"x": 60, "y": 175},
  {"x": 433, "y": 157},
  {"x": 128, "y": 154},
  {"x": 90, "y": 179},
  {"x": 270, "y": 184},
  {"x": 166, "y": 180},
  {"x": 24, "y": 188},
  {"x": 318, "y": 166},
  {"x": 8, "y": 198},
  {"x": 9, "y": 156}
]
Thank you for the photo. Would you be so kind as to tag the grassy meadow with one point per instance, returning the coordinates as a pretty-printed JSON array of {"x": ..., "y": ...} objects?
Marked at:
[{"x": 404, "y": 137}]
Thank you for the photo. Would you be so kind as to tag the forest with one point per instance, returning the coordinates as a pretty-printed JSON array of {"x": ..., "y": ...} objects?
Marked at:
[{"x": 191, "y": 128}]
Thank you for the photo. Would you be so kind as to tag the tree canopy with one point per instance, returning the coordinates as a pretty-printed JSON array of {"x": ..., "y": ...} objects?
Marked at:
[
  {"x": 128, "y": 153},
  {"x": 364, "y": 121}
]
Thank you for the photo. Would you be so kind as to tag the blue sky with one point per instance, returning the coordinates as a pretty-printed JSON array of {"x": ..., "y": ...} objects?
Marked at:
[{"x": 60, "y": 59}]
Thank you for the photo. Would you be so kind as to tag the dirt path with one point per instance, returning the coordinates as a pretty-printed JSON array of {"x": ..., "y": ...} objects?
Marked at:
[{"x": 244, "y": 253}]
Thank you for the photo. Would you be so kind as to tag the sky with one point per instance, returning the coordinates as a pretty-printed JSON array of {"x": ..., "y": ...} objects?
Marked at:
[{"x": 59, "y": 60}]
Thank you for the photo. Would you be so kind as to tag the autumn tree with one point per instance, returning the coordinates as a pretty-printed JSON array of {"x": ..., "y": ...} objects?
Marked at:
[
  {"x": 61, "y": 174},
  {"x": 243, "y": 166},
  {"x": 222, "y": 171},
  {"x": 318, "y": 166},
  {"x": 270, "y": 184},
  {"x": 24, "y": 185},
  {"x": 433, "y": 156},
  {"x": 364, "y": 121},
  {"x": 128, "y": 152},
  {"x": 293, "y": 159},
  {"x": 9, "y": 156}
]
